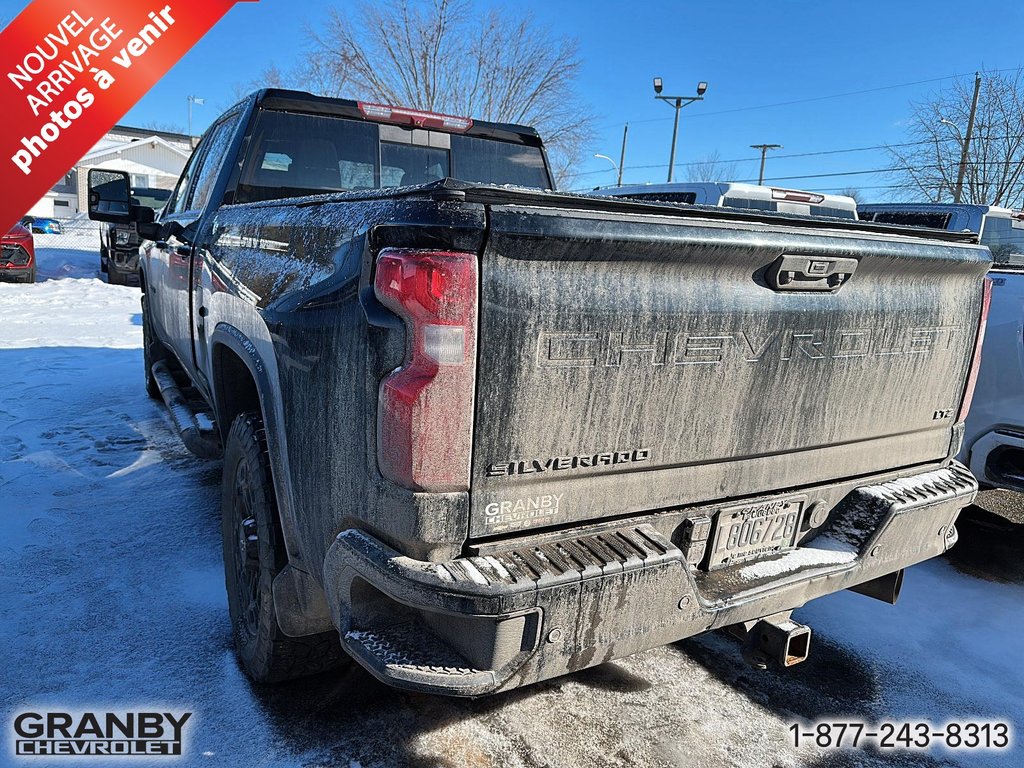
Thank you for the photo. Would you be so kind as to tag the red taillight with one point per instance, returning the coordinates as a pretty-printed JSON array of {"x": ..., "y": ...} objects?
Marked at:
[
  {"x": 425, "y": 415},
  {"x": 972, "y": 378},
  {"x": 415, "y": 117}
]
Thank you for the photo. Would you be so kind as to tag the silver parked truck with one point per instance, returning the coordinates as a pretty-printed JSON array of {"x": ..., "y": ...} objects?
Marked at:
[
  {"x": 478, "y": 433},
  {"x": 734, "y": 194},
  {"x": 994, "y": 438}
]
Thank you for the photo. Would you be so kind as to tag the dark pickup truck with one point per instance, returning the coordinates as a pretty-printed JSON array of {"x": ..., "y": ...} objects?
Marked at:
[
  {"x": 119, "y": 243},
  {"x": 477, "y": 433}
]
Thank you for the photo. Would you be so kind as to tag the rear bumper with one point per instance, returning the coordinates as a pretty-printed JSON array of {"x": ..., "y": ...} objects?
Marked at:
[
  {"x": 477, "y": 625},
  {"x": 16, "y": 273}
]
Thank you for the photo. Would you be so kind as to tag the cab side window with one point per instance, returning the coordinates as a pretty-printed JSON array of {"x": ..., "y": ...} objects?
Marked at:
[
  {"x": 200, "y": 174},
  {"x": 217, "y": 144},
  {"x": 177, "y": 202}
]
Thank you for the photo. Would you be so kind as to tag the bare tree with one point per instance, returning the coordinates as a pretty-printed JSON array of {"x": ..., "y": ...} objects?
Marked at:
[
  {"x": 165, "y": 126},
  {"x": 450, "y": 56},
  {"x": 710, "y": 168},
  {"x": 854, "y": 192},
  {"x": 270, "y": 77},
  {"x": 926, "y": 166}
]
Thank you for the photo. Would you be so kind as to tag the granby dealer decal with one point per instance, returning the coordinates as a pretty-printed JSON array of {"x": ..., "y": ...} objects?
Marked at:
[
  {"x": 530, "y": 510},
  {"x": 72, "y": 69},
  {"x": 99, "y": 734}
]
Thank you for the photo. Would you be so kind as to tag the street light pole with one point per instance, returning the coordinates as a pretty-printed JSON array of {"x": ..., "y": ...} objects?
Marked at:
[
  {"x": 764, "y": 153},
  {"x": 675, "y": 133},
  {"x": 677, "y": 102},
  {"x": 617, "y": 168}
]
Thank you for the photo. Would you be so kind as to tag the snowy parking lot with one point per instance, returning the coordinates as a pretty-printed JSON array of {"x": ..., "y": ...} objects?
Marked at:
[{"x": 112, "y": 596}]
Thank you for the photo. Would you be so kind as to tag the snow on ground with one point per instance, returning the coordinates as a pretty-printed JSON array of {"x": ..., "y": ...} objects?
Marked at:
[{"x": 111, "y": 596}]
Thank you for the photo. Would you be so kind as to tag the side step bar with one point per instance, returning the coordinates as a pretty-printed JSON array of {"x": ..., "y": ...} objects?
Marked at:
[{"x": 195, "y": 428}]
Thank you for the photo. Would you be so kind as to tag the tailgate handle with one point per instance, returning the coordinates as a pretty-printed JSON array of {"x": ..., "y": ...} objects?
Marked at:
[{"x": 792, "y": 272}]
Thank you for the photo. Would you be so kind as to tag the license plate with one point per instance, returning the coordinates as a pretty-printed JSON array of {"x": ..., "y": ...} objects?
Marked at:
[{"x": 752, "y": 531}]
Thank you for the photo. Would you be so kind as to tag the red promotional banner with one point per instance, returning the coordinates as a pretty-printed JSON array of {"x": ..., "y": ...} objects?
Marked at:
[{"x": 72, "y": 69}]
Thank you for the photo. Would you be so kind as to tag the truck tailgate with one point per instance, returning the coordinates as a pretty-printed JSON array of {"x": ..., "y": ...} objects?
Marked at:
[{"x": 635, "y": 362}]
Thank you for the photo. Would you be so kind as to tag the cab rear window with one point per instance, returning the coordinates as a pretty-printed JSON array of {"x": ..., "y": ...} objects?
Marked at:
[
  {"x": 294, "y": 155},
  {"x": 909, "y": 218},
  {"x": 665, "y": 197}
]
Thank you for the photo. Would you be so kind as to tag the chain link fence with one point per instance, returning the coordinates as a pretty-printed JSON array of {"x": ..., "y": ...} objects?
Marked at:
[{"x": 66, "y": 247}]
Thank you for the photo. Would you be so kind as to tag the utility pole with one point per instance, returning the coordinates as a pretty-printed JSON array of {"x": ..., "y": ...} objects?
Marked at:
[
  {"x": 678, "y": 102},
  {"x": 764, "y": 153},
  {"x": 622, "y": 157},
  {"x": 967, "y": 140}
]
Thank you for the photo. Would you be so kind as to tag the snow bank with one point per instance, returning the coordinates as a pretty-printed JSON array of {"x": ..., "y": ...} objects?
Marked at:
[
  {"x": 73, "y": 253},
  {"x": 70, "y": 305}
]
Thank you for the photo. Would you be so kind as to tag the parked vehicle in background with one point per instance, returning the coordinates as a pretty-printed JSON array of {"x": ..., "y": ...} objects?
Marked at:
[
  {"x": 478, "y": 433},
  {"x": 738, "y": 195},
  {"x": 41, "y": 225},
  {"x": 18, "y": 255},
  {"x": 1001, "y": 229},
  {"x": 994, "y": 433},
  {"x": 119, "y": 244}
]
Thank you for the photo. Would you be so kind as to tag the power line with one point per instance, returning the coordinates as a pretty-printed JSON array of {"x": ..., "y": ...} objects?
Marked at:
[
  {"x": 844, "y": 173},
  {"x": 774, "y": 157},
  {"x": 810, "y": 99},
  {"x": 801, "y": 101},
  {"x": 861, "y": 172},
  {"x": 830, "y": 175},
  {"x": 840, "y": 189},
  {"x": 792, "y": 155}
]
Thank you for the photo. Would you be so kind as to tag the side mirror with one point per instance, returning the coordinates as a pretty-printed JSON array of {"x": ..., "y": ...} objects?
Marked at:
[{"x": 109, "y": 196}]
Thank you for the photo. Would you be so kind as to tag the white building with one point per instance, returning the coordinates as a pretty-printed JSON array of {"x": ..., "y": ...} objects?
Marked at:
[{"x": 153, "y": 158}]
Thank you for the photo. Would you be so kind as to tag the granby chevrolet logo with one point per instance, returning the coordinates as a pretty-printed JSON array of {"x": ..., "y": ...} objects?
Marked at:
[{"x": 99, "y": 734}]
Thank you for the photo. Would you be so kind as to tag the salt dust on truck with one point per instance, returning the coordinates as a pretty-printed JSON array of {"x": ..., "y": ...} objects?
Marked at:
[{"x": 478, "y": 433}]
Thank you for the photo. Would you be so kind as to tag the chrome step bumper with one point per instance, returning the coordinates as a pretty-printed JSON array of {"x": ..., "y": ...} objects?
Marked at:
[{"x": 476, "y": 625}]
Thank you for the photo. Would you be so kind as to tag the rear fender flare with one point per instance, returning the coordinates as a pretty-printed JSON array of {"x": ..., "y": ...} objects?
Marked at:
[{"x": 257, "y": 354}]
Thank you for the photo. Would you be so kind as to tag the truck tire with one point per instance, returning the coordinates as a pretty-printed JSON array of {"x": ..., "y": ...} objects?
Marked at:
[
  {"x": 104, "y": 256},
  {"x": 152, "y": 352},
  {"x": 254, "y": 554},
  {"x": 114, "y": 277}
]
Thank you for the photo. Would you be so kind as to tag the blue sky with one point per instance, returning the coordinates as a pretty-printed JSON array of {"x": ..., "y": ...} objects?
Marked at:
[{"x": 751, "y": 53}]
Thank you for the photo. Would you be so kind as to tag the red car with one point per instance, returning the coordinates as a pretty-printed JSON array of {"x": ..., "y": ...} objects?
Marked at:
[{"x": 18, "y": 255}]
